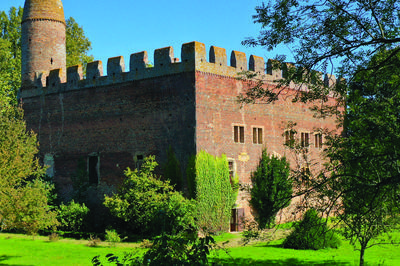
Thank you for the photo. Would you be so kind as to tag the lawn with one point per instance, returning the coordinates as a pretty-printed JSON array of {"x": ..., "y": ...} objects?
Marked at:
[{"x": 25, "y": 250}]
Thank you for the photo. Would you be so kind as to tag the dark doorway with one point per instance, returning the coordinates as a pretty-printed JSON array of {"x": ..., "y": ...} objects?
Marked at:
[{"x": 93, "y": 169}]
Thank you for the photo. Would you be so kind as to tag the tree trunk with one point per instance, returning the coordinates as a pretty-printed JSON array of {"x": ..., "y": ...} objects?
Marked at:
[{"x": 362, "y": 251}]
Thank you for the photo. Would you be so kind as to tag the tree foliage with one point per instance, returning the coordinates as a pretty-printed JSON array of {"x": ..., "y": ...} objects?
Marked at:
[
  {"x": 271, "y": 188},
  {"x": 366, "y": 159},
  {"x": 23, "y": 196},
  {"x": 77, "y": 44},
  {"x": 149, "y": 205},
  {"x": 10, "y": 55},
  {"x": 214, "y": 191},
  {"x": 322, "y": 34}
]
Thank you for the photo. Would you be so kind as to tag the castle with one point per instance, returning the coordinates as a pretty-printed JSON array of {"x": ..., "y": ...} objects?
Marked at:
[{"x": 114, "y": 121}]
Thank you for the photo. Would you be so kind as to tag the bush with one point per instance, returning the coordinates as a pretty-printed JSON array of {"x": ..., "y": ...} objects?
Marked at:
[
  {"x": 311, "y": 233},
  {"x": 72, "y": 216},
  {"x": 181, "y": 249},
  {"x": 148, "y": 205},
  {"x": 112, "y": 237}
]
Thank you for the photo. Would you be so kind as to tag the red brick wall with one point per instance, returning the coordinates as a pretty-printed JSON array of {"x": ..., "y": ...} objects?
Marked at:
[
  {"x": 118, "y": 122},
  {"x": 217, "y": 112}
]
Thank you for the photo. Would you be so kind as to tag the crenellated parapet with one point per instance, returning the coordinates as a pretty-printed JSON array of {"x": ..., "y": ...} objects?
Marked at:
[{"x": 193, "y": 58}]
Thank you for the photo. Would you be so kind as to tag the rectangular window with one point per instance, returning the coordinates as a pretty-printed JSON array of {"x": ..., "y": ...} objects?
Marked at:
[
  {"x": 231, "y": 169},
  {"x": 257, "y": 135},
  {"x": 238, "y": 134},
  {"x": 305, "y": 139},
  {"x": 289, "y": 137},
  {"x": 318, "y": 141}
]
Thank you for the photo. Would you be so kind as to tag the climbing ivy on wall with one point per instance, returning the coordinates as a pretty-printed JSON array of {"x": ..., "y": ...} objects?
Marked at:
[{"x": 215, "y": 193}]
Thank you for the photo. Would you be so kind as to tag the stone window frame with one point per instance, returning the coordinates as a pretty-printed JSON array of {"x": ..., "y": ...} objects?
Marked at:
[
  {"x": 318, "y": 140},
  {"x": 239, "y": 133},
  {"x": 257, "y": 136}
]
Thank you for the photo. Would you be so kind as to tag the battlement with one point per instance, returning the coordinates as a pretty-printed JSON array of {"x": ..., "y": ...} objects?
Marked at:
[{"x": 193, "y": 58}]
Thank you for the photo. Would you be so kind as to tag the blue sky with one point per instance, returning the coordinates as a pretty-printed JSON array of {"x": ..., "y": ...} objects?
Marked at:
[{"x": 129, "y": 26}]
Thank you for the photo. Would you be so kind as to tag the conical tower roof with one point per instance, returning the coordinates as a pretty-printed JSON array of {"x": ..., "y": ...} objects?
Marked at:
[{"x": 43, "y": 10}]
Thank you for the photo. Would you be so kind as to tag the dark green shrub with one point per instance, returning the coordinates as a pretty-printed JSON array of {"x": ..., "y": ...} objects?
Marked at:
[
  {"x": 271, "y": 190},
  {"x": 311, "y": 233},
  {"x": 72, "y": 216}
]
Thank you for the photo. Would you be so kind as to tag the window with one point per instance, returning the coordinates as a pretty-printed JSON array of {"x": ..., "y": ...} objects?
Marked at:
[
  {"x": 257, "y": 135},
  {"x": 318, "y": 141},
  {"x": 289, "y": 137},
  {"x": 49, "y": 162},
  {"x": 93, "y": 169},
  {"x": 238, "y": 134},
  {"x": 305, "y": 139},
  {"x": 232, "y": 168}
]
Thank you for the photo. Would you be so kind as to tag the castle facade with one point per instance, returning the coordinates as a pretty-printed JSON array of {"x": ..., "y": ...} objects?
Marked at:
[{"x": 114, "y": 121}]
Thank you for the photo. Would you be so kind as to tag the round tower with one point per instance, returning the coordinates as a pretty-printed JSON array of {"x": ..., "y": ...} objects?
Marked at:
[{"x": 43, "y": 41}]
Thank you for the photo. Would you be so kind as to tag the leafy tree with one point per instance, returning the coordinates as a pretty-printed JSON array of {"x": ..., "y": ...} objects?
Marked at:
[
  {"x": 271, "y": 188},
  {"x": 365, "y": 159},
  {"x": 149, "y": 205},
  {"x": 77, "y": 44},
  {"x": 361, "y": 37},
  {"x": 23, "y": 196},
  {"x": 10, "y": 55},
  {"x": 322, "y": 34},
  {"x": 215, "y": 192}
]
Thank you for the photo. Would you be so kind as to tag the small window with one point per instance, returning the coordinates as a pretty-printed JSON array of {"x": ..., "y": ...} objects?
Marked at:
[
  {"x": 257, "y": 135},
  {"x": 93, "y": 169},
  {"x": 289, "y": 137},
  {"x": 318, "y": 141},
  {"x": 238, "y": 134},
  {"x": 232, "y": 168},
  {"x": 305, "y": 139}
]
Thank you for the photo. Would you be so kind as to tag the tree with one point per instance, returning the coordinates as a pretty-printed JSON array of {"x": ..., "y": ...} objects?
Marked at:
[
  {"x": 148, "y": 205},
  {"x": 10, "y": 55},
  {"x": 322, "y": 34},
  {"x": 77, "y": 44},
  {"x": 367, "y": 158},
  {"x": 271, "y": 188},
  {"x": 362, "y": 181},
  {"x": 23, "y": 195}
]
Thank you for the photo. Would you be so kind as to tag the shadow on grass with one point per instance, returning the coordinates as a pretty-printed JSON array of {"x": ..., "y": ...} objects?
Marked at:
[
  {"x": 283, "y": 262},
  {"x": 3, "y": 258}
]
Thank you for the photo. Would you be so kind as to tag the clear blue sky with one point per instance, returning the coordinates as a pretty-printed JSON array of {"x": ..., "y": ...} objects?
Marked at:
[{"x": 123, "y": 27}]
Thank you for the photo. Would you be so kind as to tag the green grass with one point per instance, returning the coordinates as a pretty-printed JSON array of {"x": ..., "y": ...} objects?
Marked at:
[{"x": 25, "y": 250}]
